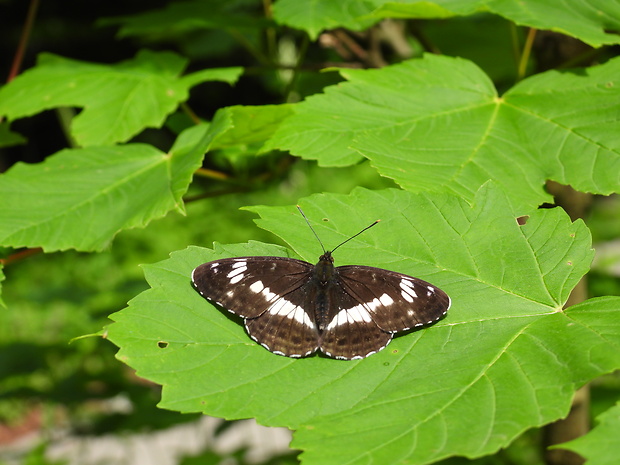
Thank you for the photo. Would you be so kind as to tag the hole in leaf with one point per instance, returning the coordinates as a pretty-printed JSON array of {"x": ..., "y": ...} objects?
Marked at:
[
  {"x": 521, "y": 220},
  {"x": 162, "y": 344}
]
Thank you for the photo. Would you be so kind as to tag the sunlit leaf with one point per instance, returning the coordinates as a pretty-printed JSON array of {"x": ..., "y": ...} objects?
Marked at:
[
  {"x": 506, "y": 351},
  {"x": 118, "y": 101}
]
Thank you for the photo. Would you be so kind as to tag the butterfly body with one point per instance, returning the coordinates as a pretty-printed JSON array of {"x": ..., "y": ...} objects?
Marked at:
[
  {"x": 294, "y": 308},
  {"x": 323, "y": 279}
]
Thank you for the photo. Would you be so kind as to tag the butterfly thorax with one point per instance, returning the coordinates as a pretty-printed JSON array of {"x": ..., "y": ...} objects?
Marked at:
[{"x": 324, "y": 270}]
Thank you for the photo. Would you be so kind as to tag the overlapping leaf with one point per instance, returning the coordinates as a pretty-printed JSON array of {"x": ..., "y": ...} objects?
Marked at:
[
  {"x": 251, "y": 124},
  {"x": 592, "y": 22},
  {"x": 438, "y": 124},
  {"x": 81, "y": 198},
  {"x": 506, "y": 350},
  {"x": 600, "y": 446},
  {"x": 119, "y": 100},
  {"x": 313, "y": 17},
  {"x": 9, "y": 138},
  {"x": 187, "y": 16}
]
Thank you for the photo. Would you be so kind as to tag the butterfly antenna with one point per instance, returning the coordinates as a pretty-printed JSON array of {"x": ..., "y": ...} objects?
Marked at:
[
  {"x": 353, "y": 237},
  {"x": 311, "y": 228}
]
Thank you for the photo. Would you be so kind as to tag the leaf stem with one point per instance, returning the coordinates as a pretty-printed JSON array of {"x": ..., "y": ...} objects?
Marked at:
[
  {"x": 23, "y": 40},
  {"x": 17, "y": 256},
  {"x": 301, "y": 56},
  {"x": 525, "y": 56},
  {"x": 270, "y": 32}
]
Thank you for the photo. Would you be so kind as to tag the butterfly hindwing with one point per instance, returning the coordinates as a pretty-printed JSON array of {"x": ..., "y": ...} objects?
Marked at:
[
  {"x": 287, "y": 327},
  {"x": 351, "y": 332}
]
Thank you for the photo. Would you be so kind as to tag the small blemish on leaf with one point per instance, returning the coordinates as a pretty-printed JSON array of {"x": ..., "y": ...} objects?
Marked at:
[
  {"x": 569, "y": 263},
  {"x": 387, "y": 364},
  {"x": 521, "y": 220},
  {"x": 162, "y": 344}
]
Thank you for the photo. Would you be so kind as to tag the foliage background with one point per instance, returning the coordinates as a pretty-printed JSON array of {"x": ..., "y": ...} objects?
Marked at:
[{"x": 122, "y": 165}]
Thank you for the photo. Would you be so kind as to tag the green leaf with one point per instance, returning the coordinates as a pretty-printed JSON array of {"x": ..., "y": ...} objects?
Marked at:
[
  {"x": 2, "y": 278},
  {"x": 588, "y": 22},
  {"x": 317, "y": 15},
  {"x": 9, "y": 138},
  {"x": 82, "y": 198},
  {"x": 506, "y": 350},
  {"x": 525, "y": 375},
  {"x": 187, "y": 16},
  {"x": 251, "y": 124},
  {"x": 424, "y": 9},
  {"x": 600, "y": 446},
  {"x": 437, "y": 124},
  {"x": 119, "y": 100}
]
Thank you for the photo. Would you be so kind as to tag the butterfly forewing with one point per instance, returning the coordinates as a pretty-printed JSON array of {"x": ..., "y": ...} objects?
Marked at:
[
  {"x": 248, "y": 286},
  {"x": 395, "y": 302}
]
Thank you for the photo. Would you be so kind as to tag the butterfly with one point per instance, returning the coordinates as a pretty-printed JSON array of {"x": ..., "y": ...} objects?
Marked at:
[{"x": 294, "y": 308}]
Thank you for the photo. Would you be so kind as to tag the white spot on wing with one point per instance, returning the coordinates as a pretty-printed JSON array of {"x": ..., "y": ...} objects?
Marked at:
[
  {"x": 237, "y": 273},
  {"x": 270, "y": 296},
  {"x": 283, "y": 307},
  {"x": 357, "y": 314},
  {"x": 408, "y": 290},
  {"x": 386, "y": 300},
  {"x": 257, "y": 287},
  {"x": 236, "y": 279},
  {"x": 406, "y": 296},
  {"x": 214, "y": 266}
]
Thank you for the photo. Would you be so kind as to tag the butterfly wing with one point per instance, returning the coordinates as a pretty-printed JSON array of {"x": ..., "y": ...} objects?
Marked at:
[
  {"x": 271, "y": 293},
  {"x": 372, "y": 305},
  {"x": 394, "y": 301}
]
